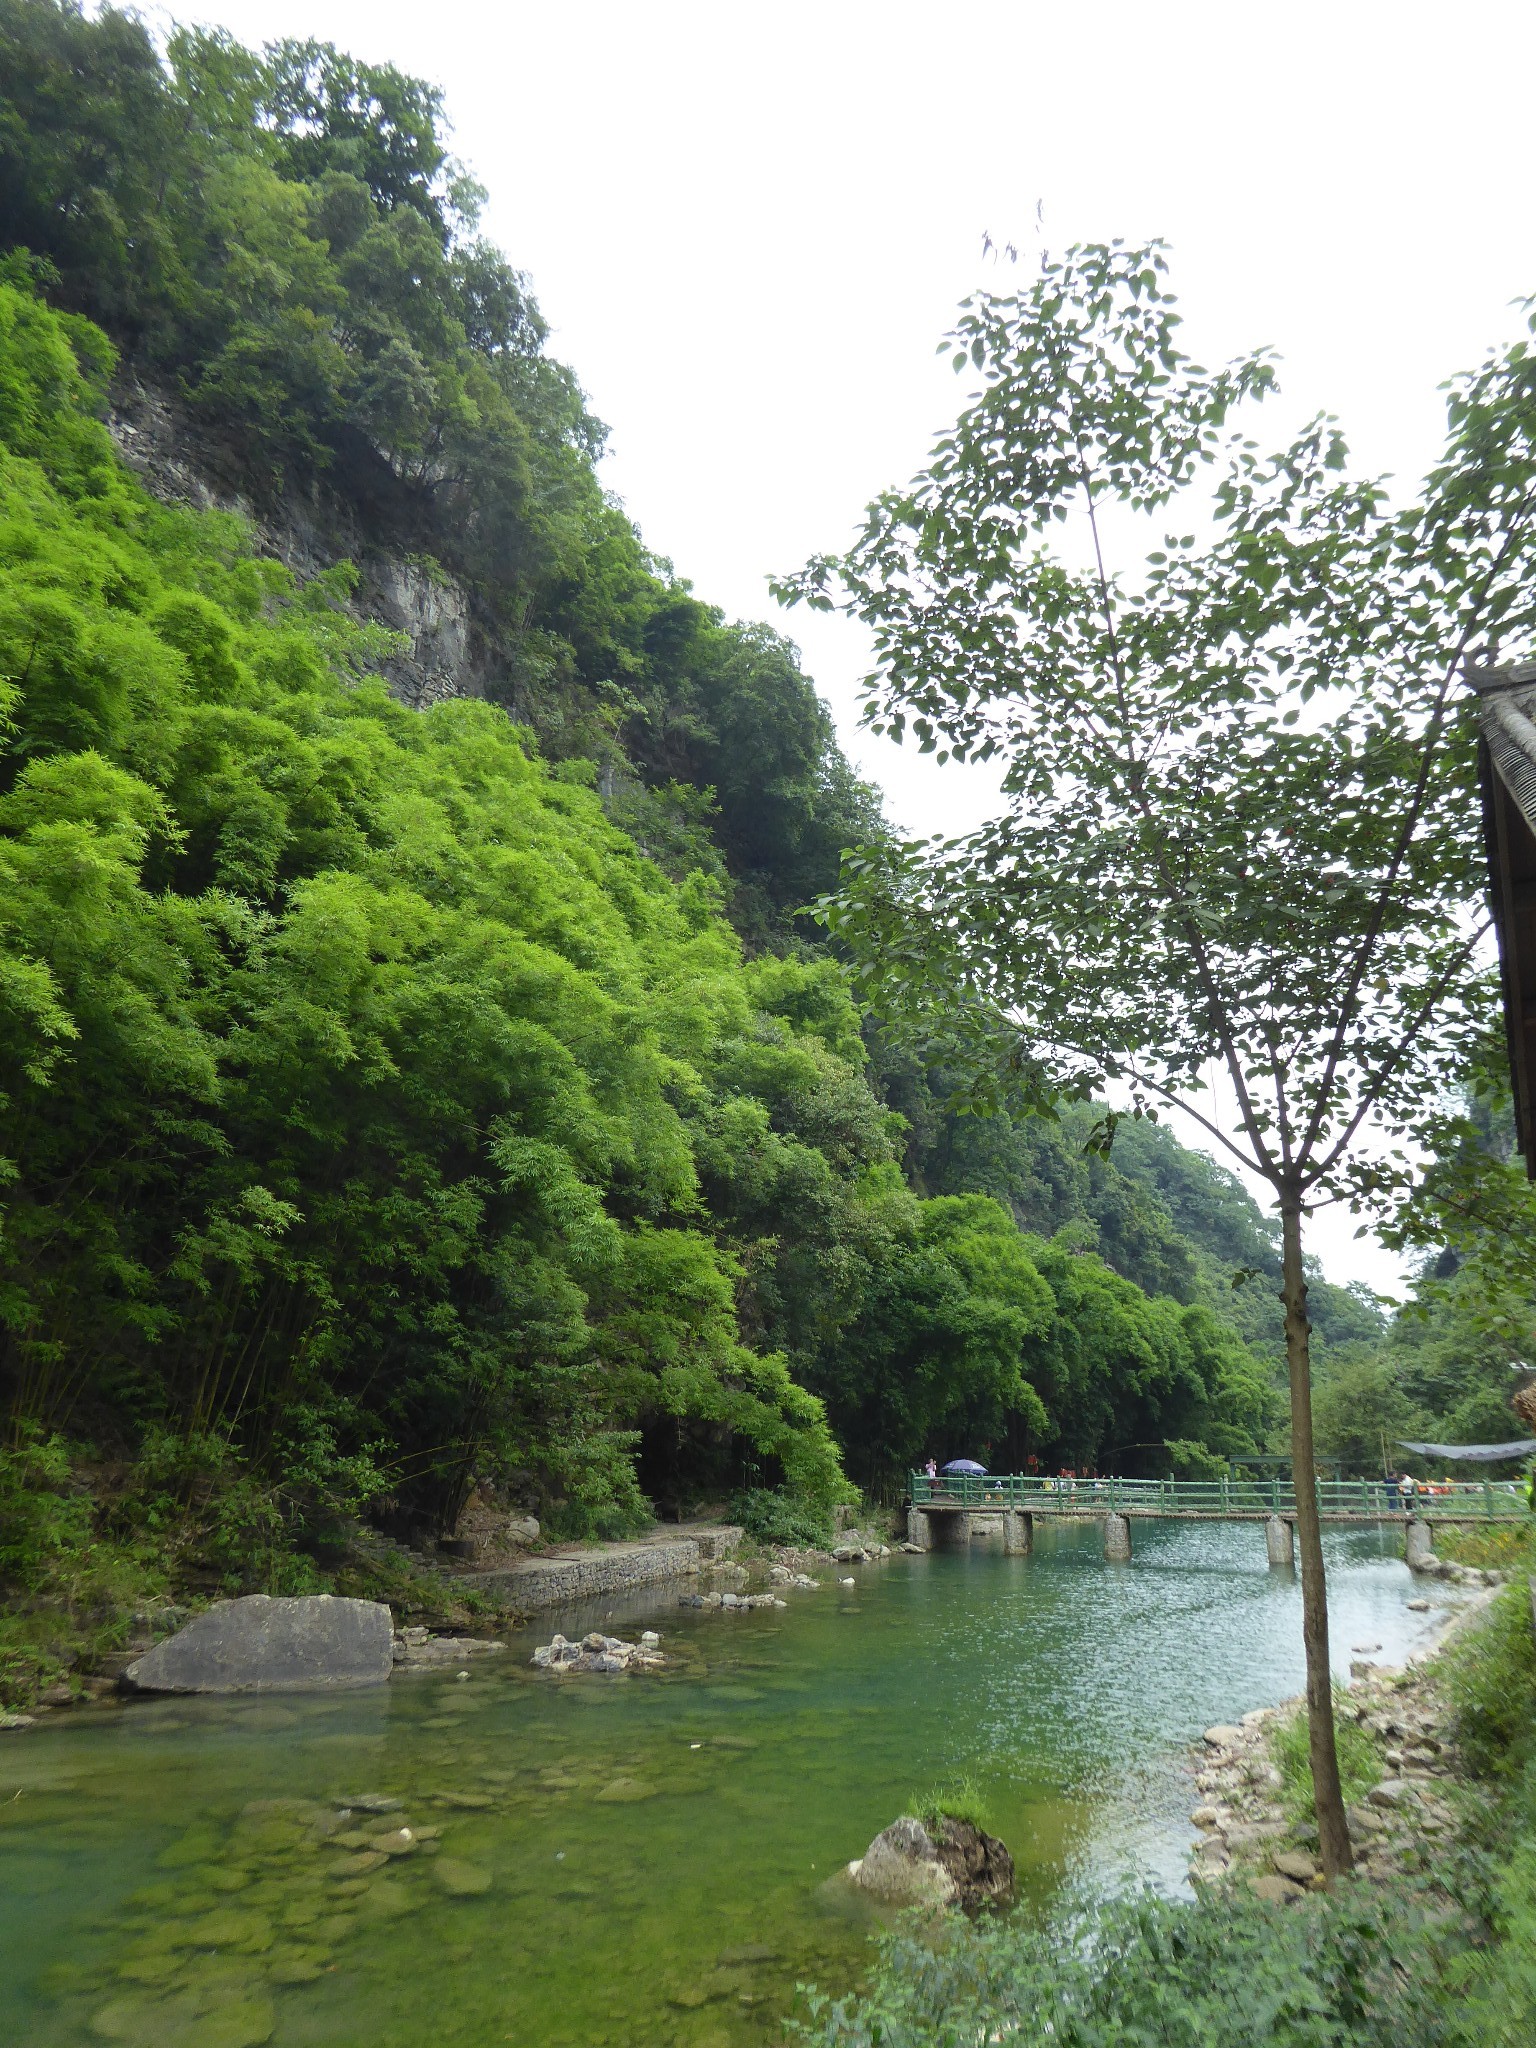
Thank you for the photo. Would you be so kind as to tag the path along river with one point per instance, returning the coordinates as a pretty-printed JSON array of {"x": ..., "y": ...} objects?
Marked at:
[{"x": 640, "y": 1861}]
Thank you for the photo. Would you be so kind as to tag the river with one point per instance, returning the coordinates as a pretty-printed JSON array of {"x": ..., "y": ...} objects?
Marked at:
[{"x": 644, "y": 1861}]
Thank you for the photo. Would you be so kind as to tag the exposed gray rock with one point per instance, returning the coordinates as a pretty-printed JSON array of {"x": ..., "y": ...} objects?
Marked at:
[
  {"x": 312, "y": 1643},
  {"x": 954, "y": 1864},
  {"x": 1391, "y": 1793},
  {"x": 597, "y": 1652},
  {"x": 1295, "y": 1864},
  {"x": 730, "y": 1603}
]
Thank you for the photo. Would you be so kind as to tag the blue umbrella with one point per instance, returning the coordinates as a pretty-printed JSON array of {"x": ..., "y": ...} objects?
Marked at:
[{"x": 963, "y": 1465}]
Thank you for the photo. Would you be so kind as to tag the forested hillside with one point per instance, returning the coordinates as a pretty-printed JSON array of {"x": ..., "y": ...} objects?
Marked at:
[{"x": 396, "y": 1099}]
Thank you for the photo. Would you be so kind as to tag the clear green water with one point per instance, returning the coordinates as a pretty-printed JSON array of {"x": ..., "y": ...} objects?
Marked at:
[{"x": 640, "y": 1860}]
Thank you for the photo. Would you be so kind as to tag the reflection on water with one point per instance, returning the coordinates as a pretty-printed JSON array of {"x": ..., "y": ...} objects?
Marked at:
[{"x": 646, "y": 1860}]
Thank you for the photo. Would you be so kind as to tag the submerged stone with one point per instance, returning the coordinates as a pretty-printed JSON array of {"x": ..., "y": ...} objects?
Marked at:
[
  {"x": 386, "y": 1898},
  {"x": 459, "y": 1879},
  {"x": 150, "y": 1966},
  {"x": 300, "y": 1966},
  {"x": 186, "y": 2020},
  {"x": 625, "y": 1792},
  {"x": 228, "y": 1927}
]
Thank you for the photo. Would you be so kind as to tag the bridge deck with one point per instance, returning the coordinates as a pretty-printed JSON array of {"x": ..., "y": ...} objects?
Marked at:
[
  {"x": 1088, "y": 1512},
  {"x": 1240, "y": 1499}
]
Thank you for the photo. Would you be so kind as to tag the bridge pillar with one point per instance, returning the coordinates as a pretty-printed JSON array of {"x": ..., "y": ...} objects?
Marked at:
[
  {"x": 1018, "y": 1533},
  {"x": 1280, "y": 1542},
  {"x": 1419, "y": 1545},
  {"x": 1117, "y": 1539},
  {"x": 919, "y": 1529}
]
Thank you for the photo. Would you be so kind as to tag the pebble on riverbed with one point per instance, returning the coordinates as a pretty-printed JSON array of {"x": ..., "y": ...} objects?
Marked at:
[{"x": 597, "y": 1652}]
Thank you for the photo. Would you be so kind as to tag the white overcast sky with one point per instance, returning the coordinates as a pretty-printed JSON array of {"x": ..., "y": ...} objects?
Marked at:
[{"x": 750, "y": 224}]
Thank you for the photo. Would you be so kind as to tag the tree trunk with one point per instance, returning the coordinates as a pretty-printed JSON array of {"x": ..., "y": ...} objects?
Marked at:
[{"x": 1336, "y": 1853}]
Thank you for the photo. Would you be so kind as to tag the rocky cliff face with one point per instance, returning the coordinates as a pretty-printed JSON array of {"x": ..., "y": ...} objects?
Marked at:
[{"x": 370, "y": 521}]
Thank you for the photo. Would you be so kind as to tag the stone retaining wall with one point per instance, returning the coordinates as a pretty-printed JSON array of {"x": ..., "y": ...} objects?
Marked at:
[{"x": 557, "y": 1581}]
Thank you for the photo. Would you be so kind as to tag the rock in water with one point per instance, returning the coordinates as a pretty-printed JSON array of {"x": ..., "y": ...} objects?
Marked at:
[
  {"x": 901, "y": 1867},
  {"x": 908, "y": 1864},
  {"x": 314, "y": 1643}
]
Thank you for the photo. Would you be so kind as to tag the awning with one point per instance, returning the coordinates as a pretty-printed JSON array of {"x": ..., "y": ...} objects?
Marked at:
[{"x": 1473, "y": 1454}]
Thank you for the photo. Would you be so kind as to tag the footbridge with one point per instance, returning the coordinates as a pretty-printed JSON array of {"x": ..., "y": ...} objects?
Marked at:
[{"x": 951, "y": 1510}]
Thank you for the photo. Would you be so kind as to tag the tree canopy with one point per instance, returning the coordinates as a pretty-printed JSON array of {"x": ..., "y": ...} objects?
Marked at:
[
  {"x": 407, "y": 1099},
  {"x": 1239, "y": 832}
]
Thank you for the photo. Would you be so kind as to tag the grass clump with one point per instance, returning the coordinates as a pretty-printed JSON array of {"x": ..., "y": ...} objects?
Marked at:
[
  {"x": 1361, "y": 1763},
  {"x": 959, "y": 1798}
]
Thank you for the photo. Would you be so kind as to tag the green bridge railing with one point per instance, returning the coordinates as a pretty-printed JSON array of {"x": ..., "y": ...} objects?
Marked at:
[{"x": 1479, "y": 1499}]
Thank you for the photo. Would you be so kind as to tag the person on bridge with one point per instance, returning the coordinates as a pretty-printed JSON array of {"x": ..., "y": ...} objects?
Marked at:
[
  {"x": 931, "y": 1469},
  {"x": 1408, "y": 1487}
]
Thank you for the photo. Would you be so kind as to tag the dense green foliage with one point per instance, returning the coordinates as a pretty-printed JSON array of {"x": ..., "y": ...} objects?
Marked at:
[
  {"x": 282, "y": 243},
  {"x": 353, "y": 1061},
  {"x": 372, "y": 1099},
  {"x": 391, "y": 1101},
  {"x": 1447, "y": 1366}
]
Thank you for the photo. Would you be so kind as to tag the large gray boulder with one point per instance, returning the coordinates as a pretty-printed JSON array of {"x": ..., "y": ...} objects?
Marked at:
[{"x": 311, "y": 1644}]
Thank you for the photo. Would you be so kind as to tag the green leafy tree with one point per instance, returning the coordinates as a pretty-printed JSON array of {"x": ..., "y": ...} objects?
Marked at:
[{"x": 1240, "y": 823}]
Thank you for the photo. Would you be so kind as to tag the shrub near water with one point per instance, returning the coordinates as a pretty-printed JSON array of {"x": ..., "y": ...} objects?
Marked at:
[
  {"x": 64, "y": 1587},
  {"x": 770, "y": 1516},
  {"x": 1491, "y": 1678},
  {"x": 1362, "y": 1970}
]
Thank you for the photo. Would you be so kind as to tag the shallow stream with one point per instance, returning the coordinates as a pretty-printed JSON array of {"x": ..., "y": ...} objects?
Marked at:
[{"x": 643, "y": 1861}]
